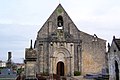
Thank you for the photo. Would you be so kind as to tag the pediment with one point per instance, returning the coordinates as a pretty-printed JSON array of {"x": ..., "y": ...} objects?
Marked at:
[{"x": 58, "y": 18}]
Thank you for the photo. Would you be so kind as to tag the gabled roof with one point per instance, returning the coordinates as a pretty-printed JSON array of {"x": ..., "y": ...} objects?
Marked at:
[
  {"x": 117, "y": 42},
  {"x": 59, "y": 8}
]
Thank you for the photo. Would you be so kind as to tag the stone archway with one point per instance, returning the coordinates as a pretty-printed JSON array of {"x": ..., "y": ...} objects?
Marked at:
[
  {"x": 116, "y": 70},
  {"x": 60, "y": 68},
  {"x": 62, "y": 60}
]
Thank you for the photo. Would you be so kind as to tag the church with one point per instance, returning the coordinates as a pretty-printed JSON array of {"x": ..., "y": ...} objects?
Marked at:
[
  {"x": 61, "y": 48},
  {"x": 114, "y": 59}
]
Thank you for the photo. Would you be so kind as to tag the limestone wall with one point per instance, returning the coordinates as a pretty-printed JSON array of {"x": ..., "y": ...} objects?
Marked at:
[
  {"x": 30, "y": 68},
  {"x": 113, "y": 55},
  {"x": 87, "y": 57},
  {"x": 93, "y": 53}
]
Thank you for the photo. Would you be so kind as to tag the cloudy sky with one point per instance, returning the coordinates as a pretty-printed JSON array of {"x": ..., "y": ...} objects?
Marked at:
[{"x": 20, "y": 21}]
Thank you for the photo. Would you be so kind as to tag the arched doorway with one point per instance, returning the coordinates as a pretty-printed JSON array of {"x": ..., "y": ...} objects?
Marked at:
[
  {"x": 60, "y": 68},
  {"x": 116, "y": 70}
]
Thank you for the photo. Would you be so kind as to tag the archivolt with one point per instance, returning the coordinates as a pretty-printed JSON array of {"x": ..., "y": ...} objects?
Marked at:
[{"x": 62, "y": 50}]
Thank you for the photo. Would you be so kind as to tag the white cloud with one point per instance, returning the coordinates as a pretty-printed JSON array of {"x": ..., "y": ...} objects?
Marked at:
[{"x": 91, "y": 16}]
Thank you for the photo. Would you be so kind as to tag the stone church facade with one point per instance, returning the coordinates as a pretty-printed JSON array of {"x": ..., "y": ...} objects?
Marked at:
[
  {"x": 62, "y": 48},
  {"x": 114, "y": 59}
]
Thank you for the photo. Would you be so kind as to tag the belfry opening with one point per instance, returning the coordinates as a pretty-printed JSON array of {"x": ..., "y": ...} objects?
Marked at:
[{"x": 60, "y": 21}]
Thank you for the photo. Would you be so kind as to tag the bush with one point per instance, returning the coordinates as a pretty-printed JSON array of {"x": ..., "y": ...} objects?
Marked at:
[
  {"x": 77, "y": 73},
  {"x": 45, "y": 74},
  {"x": 19, "y": 70}
]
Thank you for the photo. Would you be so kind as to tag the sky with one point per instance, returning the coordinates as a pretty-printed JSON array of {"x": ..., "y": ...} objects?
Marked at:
[{"x": 20, "y": 20}]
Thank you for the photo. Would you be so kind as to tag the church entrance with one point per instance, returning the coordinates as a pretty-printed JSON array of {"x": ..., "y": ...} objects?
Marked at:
[
  {"x": 116, "y": 70},
  {"x": 60, "y": 68}
]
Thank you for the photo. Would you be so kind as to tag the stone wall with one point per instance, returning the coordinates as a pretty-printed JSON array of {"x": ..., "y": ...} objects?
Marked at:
[
  {"x": 88, "y": 53},
  {"x": 113, "y": 56},
  {"x": 30, "y": 68},
  {"x": 93, "y": 53}
]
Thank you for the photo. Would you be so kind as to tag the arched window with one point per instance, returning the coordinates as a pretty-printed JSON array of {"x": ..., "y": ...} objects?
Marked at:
[{"x": 60, "y": 21}]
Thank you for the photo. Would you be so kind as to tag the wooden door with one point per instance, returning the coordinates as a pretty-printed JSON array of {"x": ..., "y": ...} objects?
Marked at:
[{"x": 60, "y": 68}]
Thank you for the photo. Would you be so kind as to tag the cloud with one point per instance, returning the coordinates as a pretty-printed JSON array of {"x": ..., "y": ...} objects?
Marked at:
[
  {"x": 19, "y": 20},
  {"x": 94, "y": 10},
  {"x": 16, "y": 38},
  {"x": 26, "y": 12}
]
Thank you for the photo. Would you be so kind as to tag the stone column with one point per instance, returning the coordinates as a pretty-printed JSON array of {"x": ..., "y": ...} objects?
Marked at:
[
  {"x": 51, "y": 60},
  {"x": 72, "y": 59},
  {"x": 50, "y": 65},
  {"x": 41, "y": 58},
  {"x": 79, "y": 58},
  {"x": 71, "y": 66},
  {"x": 66, "y": 65}
]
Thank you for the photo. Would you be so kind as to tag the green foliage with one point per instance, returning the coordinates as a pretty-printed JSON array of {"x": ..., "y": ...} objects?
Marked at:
[
  {"x": 77, "y": 73},
  {"x": 19, "y": 71},
  {"x": 2, "y": 68},
  {"x": 45, "y": 74}
]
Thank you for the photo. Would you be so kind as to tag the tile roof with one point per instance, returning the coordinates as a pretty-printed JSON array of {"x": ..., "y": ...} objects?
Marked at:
[{"x": 7, "y": 73}]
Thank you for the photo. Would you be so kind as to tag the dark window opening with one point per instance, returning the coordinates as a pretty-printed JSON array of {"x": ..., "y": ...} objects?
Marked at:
[
  {"x": 116, "y": 70},
  {"x": 114, "y": 50},
  {"x": 60, "y": 21}
]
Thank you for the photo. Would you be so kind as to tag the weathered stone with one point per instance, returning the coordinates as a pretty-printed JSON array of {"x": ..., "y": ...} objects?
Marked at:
[
  {"x": 30, "y": 62},
  {"x": 59, "y": 42},
  {"x": 114, "y": 59}
]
